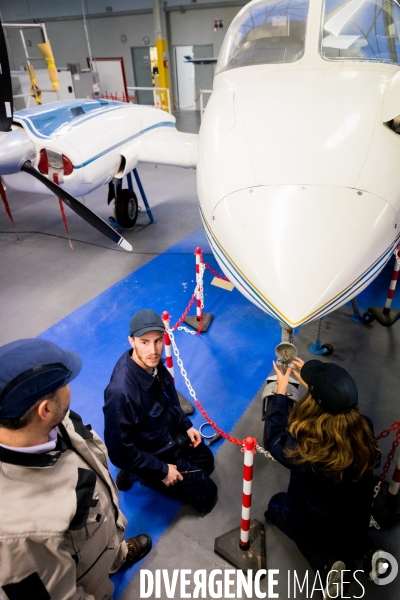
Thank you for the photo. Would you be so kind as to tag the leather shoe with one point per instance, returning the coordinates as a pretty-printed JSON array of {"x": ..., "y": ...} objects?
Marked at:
[
  {"x": 205, "y": 511},
  {"x": 138, "y": 548},
  {"x": 124, "y": 480}
]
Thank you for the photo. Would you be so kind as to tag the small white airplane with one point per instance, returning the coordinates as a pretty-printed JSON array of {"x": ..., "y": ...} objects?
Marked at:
[
  {"x": 87, "y": 143},
  {"x": 297, "y": 157}
]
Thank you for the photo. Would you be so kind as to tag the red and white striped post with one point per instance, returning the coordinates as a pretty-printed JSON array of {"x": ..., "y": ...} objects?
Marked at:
[
  {"x": 186, "y": 406},
  {"x": 167, "y": 344},
  {"x": 395, "y": 483},
  {"x": 387, "y": 316},
  {"x": 227, "y": 545},
  {"x": 249, "y": 444},
  {"x": 202, "y": 320},
  {"x": 199, "y": 260},
  {"x": 393, "y": 283}
]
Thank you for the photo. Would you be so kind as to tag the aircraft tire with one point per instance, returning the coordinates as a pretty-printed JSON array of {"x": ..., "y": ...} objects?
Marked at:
[{"x": 126, "y": 208}]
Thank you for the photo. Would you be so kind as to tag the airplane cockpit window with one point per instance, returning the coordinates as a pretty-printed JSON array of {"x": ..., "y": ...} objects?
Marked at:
[
  {"x": 269, "y": 32},
  {"x": 47, "y": 122},
  {"x": 361, "y": 30}
]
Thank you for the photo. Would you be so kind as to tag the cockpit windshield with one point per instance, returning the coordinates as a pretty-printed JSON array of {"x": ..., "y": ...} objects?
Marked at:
[
  {"x": 361, "y": 30},
  {"x": 266, "y": 32}
]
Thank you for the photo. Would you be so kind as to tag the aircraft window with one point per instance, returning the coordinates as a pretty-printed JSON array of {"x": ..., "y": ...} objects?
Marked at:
[
  {"x": 76, "y": 111},
  {"x": 268, "y": 32},
  {"x": 48, "y": 121},
  {"x": 361, "y": 30}
]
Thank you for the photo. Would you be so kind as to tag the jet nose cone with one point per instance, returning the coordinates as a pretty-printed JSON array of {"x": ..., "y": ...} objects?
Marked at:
[{"x": 301, "y": 252}]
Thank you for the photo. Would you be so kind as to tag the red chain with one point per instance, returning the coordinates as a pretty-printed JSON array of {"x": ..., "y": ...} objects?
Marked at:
[
  {"x": 189, "y": 306},
  {"x": 215, "y": 426},
  {"x": 185, "y": 314},
  {"x": 384, "y": 434},
  {"x": 215, "y": 272}
]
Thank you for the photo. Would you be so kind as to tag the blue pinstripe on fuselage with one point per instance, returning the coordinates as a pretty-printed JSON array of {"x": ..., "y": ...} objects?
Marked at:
[{"x": 237, "y": 276}]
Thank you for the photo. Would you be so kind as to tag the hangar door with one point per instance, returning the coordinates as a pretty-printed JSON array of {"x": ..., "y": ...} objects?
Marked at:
[
  {"x": 192, "y": 78},
  {"x": 142, "y": 73}
]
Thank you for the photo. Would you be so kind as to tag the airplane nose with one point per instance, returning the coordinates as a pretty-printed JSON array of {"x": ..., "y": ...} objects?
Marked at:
[{"x": 320, "y": 246}]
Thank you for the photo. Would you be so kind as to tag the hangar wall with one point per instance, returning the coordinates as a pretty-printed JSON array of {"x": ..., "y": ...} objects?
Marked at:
[{"x": 65, "y": 30}]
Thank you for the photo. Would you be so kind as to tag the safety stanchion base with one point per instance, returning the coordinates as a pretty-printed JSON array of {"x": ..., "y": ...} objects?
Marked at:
[
  {"x": 227, "y": 546},
  {"x": 386, "y": 509},
  {"x": 186, "y": 406},
  {"x": 385, "y": 320},
  {"x": 193, "y": 322}
]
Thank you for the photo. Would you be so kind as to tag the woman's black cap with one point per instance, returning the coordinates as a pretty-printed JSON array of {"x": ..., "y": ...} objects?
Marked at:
[{"x": 331, "y": 386}]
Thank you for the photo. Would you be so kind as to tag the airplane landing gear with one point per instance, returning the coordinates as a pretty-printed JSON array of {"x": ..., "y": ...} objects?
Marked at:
[
  {"x": 126, "y": 208},
  {"x": 357, "y": 317},
  {"x": 319, "y": 348}
]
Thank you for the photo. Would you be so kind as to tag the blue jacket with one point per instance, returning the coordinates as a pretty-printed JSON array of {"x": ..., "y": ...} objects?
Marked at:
[
  {"x": 142, "y": 418},
  {"x": 322, "y": 513}
]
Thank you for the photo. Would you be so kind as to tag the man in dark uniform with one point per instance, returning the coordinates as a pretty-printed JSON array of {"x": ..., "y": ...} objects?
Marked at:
[{"x": 146, "y": 432}]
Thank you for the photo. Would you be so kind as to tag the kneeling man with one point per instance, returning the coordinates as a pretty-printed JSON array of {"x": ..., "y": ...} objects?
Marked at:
[{"x": 146, "y": 432}]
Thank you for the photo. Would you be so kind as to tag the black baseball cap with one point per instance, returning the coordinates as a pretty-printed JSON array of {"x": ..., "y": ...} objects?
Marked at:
[
  {"x": 330, "y": 386},
  {"x": 29, "y": 370},
  {"x": 144, "y": 321}
]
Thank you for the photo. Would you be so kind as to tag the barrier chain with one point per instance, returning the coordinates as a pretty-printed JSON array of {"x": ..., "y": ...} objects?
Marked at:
[
  {"x": 186, "y": 330},
  {"x": 221, "y": 432},
  {"x": 185, "y": 314},
  {"x": 394, "y": 427},
  {"x": 199, "y": 287},
  {"x": 215, "y": 272}
]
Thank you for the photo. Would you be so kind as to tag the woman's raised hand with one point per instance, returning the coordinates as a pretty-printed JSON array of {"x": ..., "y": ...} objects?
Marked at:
[{"x": 297, "y": 364}]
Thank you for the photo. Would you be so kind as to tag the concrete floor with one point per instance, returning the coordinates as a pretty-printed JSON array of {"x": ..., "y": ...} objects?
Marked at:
[{"x": 42, "y": 281}]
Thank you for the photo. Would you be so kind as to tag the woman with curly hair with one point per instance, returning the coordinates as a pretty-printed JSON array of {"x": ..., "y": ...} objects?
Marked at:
[{"x": 330, "y": 449}]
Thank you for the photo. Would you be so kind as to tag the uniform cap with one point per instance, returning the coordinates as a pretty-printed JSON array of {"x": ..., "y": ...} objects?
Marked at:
[
  {"x": 144, "y": 321},
  {"x": 29, "y": 370}
]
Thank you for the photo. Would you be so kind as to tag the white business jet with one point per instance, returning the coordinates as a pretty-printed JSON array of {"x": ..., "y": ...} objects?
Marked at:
[{"x": 298, "y": 154}]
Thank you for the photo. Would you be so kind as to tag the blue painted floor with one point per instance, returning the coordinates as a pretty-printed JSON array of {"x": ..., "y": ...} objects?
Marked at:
[
  {"x": 240, "y": 335},
  {"x": 226, "y": 366}
]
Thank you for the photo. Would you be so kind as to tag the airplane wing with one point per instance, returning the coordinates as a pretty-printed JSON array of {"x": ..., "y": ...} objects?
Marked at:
[{"x": 170, "y": 147}]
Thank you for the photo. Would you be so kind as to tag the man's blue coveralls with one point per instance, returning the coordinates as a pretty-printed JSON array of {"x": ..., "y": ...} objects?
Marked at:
[
  {"x": 326, "y": 519},
  {"x": 145, "y": 430}
]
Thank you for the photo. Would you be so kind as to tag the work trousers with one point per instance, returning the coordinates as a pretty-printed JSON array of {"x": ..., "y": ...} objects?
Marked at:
[
  {"x": 197, "y": 488},
  {"x": 278, "y": 515}
]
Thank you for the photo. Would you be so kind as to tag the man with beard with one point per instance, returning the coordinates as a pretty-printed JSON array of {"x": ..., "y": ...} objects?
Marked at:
[
  {"x": 147, "y": 434},
  {"x": 61, "y": 532}
]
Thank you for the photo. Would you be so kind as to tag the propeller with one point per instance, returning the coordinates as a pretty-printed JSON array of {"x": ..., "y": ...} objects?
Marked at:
[
  {"x": 6, "y": 97},
  {"x": 19, "y": 154},
  {"x": 83, "y": 211}
]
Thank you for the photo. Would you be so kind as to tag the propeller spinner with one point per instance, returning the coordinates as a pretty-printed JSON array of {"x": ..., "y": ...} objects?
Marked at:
[{"x": 17, "y": 152}]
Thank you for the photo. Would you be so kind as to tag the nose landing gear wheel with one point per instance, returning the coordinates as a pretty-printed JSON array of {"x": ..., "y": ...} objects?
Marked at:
[{"x": 126, "y": 208}]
